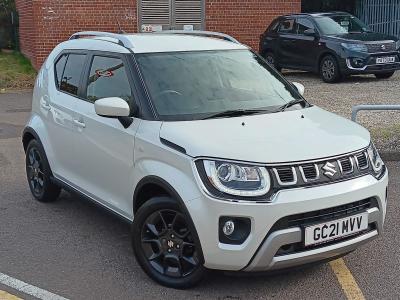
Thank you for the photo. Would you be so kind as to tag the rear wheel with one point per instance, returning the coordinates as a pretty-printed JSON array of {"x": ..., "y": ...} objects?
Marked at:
[
  {"x": 384, "y": 75},
  {"x": 329, "y": 69},
  {"x": 164, "y": 244},
  {"x": 38, "y": 173},
  {"x": 270, "y": 58}
]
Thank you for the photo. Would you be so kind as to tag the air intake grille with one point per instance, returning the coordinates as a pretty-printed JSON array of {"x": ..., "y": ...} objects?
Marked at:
[
  {"x": 155, "y": 12},
  {"x": 346, "y": 165},
  {"x": 286, "y": 175},
  {"x": 188, "y": 12},
  {"x": 310, "y": 172},
  {"x": 382, "y": 47},
  {"x": 362, "y": 160}
]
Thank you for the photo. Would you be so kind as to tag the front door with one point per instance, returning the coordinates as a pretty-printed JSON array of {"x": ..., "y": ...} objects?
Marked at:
[
  {"x": 105, "y": 148},
  {"x": 286, "y": 42}
]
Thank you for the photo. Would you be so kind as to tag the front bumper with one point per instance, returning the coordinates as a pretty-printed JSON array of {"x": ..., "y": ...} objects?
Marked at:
[
  {"x": 370, "y": 66},
  {"x": 261, "y": 250}
]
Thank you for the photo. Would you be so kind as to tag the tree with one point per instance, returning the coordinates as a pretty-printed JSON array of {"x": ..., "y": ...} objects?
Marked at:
[{"x": 7, "y": 5}]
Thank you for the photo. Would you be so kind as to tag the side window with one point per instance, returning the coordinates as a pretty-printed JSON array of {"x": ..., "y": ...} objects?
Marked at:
[
  {"x": 108, "y": 78},
  {"x": 303, "y": 24},
  {"x": 273, "y": 27},
  {"x": 59, "y": 68},
  {"x": 287, "y": 26},
  {"x": 72, "y": 73}
]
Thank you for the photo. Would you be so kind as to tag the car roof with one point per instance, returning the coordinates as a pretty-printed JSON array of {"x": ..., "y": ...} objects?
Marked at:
[
  {"x": 154, "y": 43},
  {"x": 318, "y": 14}
]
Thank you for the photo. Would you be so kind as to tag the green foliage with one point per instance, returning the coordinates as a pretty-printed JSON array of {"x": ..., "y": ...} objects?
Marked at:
[{"x": 16, "y": 71}]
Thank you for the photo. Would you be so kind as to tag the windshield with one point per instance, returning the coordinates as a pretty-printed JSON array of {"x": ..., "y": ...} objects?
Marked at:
[
  {"x": 340, "y": 24},
  {"x": 196, "y": 85}
]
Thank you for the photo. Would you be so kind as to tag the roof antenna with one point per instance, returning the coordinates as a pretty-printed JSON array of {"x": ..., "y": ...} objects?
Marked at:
[{"x": 120, "y": 30}]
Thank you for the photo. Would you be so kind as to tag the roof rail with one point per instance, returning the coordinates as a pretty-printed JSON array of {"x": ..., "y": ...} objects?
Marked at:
[
  {"x": 123, "y": 40},
  {"x": 201, "y": 33}
]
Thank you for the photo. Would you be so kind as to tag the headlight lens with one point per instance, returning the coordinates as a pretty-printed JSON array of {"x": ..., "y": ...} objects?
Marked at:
[
  {"x": 355, "y": 47},
  {"x": 237, "y": 179},
  {"x": 398, "y": 45},
  {"x": 375, "y": 159}
]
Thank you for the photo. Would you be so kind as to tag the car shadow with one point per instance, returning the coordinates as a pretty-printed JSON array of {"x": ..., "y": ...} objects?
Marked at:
[{"x": 348, "y": 79}]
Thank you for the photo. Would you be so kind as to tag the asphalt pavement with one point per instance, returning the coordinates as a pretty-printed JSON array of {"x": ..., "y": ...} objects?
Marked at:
[{"x": 78, "y": 251}]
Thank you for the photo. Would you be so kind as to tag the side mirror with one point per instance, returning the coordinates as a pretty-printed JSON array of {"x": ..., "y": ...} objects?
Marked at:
[
  {"x": 112, "y": 107},
  {"x": 299, "y": 87},
  {"x": 310, "y": 32}
]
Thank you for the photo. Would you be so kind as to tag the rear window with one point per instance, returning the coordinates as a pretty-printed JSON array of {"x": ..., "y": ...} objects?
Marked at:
[{"x": 72, "y": 73}]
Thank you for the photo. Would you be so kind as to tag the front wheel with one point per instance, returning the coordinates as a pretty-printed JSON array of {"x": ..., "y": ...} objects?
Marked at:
[
  {"x": 164, "y": 244},
  {"x": 384, "y": 75},
  {"x": 329, "y": 69},
  {"x": 270, "y": 58}
]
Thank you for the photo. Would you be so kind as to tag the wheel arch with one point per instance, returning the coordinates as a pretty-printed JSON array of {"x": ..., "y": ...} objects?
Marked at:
[
  {"x": 28, "y": 135},
  {"x": 323, "y": 55},
  {"x": 166, "y": 189}
]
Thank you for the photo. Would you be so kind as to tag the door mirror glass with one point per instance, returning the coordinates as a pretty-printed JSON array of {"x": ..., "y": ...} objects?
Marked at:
[
  {"x": 299, "y": 87},
  {"x": 309, "y": 32},
  {"x": 112, "y": 107}
]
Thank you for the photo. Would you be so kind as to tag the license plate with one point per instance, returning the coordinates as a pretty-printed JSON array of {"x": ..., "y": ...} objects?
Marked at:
[
  {"x": 325, "y": 232},
  {"x": 385, "y": 60}
]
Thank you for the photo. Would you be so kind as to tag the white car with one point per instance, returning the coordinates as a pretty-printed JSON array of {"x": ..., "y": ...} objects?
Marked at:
[{"x": 215, "y": 158}]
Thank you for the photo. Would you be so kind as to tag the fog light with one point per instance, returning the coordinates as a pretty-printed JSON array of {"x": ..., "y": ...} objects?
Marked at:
[
  {"x": 228, "y": 228},
  {"x": 358, "y": 62}
]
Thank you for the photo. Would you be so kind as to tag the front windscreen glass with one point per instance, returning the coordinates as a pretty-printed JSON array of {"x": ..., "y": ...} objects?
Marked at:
[
  {"x": 196, "y": 85},
  {"x": 340, "y": 24}
]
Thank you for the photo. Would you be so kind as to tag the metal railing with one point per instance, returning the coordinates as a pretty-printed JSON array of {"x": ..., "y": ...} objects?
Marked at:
[{"x": 358, "y": 108}]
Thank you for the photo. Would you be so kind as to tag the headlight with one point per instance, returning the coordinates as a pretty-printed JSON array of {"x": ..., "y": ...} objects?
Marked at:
[
  {"x": 398, "y": 45},
  {"x": 375, "y": 159},
  {"x": 237, "y": 179},
  {"x": 355, "y": 47}
]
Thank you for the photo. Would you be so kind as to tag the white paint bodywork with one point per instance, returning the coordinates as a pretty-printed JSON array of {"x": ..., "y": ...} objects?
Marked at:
[{"x": 103, "y": 160}]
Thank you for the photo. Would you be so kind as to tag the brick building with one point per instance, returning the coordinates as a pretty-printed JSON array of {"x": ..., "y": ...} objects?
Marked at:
[{"x": 44, "y": 23}]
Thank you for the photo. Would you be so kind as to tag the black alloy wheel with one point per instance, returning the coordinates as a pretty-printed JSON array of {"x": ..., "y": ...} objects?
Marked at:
[
  {"x": 270, "y": 58},
  {"x": 39, "y": 174},
  {"x": 165, "y": 245},
  {"x": 329, "y": 69}
]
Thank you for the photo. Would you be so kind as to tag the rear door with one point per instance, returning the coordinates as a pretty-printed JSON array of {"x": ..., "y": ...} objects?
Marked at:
[
  {"x": 60, "y": 105},
  {"x": 286, "y": 46},
  {"x": 105, "y": 147}
]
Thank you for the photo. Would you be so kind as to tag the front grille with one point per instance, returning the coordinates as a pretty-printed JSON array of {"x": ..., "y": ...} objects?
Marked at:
[
  {"x": 361, "y": 160},
  {"x": 286, "y": 175},
  {"x": 323, "y": 171},
  {"x": 381, "y": 47},
  {"x": 346, "y": 165}
]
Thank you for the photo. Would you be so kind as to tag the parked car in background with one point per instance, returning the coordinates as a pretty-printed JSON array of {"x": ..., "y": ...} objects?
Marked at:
[{"x": 334, "y": 45}]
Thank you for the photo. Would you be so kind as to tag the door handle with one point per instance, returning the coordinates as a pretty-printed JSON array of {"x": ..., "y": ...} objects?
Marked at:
[{"x": 80, "y": 124}]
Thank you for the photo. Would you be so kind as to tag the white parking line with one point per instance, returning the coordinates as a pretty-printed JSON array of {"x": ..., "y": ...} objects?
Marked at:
[{"x": 28, "y": 289}]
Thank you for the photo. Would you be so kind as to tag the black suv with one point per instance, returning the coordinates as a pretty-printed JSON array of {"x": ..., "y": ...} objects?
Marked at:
[{"x": 334, "y": 45}]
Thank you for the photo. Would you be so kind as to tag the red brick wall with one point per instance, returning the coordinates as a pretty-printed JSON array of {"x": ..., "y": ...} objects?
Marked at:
[
  {"x": 45, "y": 23},
  {"x": 246, "y": 19},
  {"x": 48, "y": 22}
]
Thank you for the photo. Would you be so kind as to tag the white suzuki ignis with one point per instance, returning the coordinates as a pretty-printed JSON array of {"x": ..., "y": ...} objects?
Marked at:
[{"x": 215, "y": 158}]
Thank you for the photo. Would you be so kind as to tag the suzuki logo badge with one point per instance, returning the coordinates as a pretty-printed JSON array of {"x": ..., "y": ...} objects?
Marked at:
[
  {"x": 170, "y": 244},
  {"x": 329, "y": 169},
  {"x": 383, "y": 47}
]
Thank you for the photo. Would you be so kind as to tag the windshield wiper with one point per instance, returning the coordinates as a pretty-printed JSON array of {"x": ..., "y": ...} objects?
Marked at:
[
  {"x": 291, "y": 103},
  {"x": 235, "y": 113}
]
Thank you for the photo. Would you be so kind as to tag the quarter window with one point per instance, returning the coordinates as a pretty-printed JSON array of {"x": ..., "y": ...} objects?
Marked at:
[
  {"x": 303, "y": 24},
  {"x": 108, "y": 78},
  {"x": 59, "y": 68},
  {"x": 72, "y": 74},
  {"x": 287, "y": 26}
]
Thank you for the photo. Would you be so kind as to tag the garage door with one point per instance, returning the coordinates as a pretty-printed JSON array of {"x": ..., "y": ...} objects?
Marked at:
[{"x": 155, "y": 15}]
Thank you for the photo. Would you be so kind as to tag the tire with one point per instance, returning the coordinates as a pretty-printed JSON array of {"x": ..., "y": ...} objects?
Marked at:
[
  {"x": 329, "y": 69},
  {"x": 39, "y": 174},
  {"x": 270, "y": 58},
  {"x": 384, "y": 75},
  {"x": 165, "y": 245}
]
